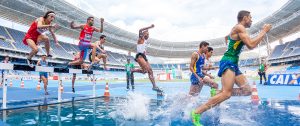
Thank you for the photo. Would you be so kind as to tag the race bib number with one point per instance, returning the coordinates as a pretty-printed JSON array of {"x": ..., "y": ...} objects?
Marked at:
[{"x": 87, "y": 37}]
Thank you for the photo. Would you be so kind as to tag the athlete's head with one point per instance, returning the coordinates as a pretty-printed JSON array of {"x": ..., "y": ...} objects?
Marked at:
[
  {"x": 245, "y": 17},
  {"x": 209, "y": 52},
  {"x": 203, "y": 46},
  {"x": 90, "y": 21},
  {"x": 102, "y": 39},
  {"x": 146, "y": 34},
  {"x": 44, "y": 57},
  {"x": 49, "y": 16},
  {"x": 6, "y": 58},
  {"x": 128, "y": 60}
]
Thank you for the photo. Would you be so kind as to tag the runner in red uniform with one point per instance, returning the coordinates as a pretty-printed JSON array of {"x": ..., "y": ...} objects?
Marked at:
[
  {"x": 85, "y": 38},
  {"x": 36, "y": 34}
]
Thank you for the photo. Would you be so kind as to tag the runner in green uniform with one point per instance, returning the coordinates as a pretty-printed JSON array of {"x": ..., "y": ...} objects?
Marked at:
[{"x": 229, "y": 71}]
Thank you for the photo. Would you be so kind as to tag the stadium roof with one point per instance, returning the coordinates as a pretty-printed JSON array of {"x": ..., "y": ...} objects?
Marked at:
[{"x": 285, "y": 21}]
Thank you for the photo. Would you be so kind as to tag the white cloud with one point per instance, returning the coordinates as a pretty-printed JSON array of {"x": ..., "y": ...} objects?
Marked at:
[{"x": 178, "y": 20}]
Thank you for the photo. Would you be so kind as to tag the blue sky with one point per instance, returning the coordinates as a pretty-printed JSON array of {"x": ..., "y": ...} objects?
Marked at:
[{"x": 178, "y": 20}]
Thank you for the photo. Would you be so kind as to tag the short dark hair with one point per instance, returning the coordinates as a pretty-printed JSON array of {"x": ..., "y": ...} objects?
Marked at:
[
  {"x": 203, "y": 43},
  {"x": 89, "y": 18},
  {"x": 242, "y": 14},
  {"x": 209, "y": 49},
  {"x": 102, "y": 36},
  {"x": 47, "y": 14}
]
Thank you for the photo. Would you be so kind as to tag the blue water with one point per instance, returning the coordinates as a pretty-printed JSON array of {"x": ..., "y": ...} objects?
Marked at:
[
  {"x": 118, "y": 111},
  {"x": 279, "y": 105}
]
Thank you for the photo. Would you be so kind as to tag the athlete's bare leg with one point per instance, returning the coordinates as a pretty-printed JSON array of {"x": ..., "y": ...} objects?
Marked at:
[
  {"x": 195, "y": 89},
  {"x": 45, "y": 81},
  {"x": 45, "y": 39},
  {"x": 228, "y": 79},
  {"x": 34, "y": 48}
]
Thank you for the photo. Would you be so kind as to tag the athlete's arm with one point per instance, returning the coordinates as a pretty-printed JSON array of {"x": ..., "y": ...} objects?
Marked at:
[
  {"x": 98, "y": 47},
  {"x": 206, "y": 68},
  {"x": 38, "y": 63},
  {"x": 143, "y": 29},
  {"x": 73, "y": 26},
  {"x": 252, "y": 43},
  {"x": 192, "y": 64},
  {"x": 146, "y": 28},
  {"x": 101, "y": 27},
  {"x": 40, "y": 24},
  {"x": 53, "y": 35}
]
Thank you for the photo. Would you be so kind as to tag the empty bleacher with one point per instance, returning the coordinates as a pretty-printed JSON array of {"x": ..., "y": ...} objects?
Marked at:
[
  {"x": 286, "y": 50},
  {"x": 18, "y": 38},
  {"x": 66, "y": 50}
]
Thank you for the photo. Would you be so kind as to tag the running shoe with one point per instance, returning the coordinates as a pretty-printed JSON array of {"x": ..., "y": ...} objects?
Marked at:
[
  {"x": 29, "y": 62},
  {"x": 157, "y": 89},
  {"x": 196, "y": 118},
  {"x": 213, "y": 92}
]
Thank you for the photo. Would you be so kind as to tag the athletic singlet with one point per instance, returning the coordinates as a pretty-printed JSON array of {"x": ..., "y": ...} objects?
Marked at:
[
  {"x": 141, "y": 48},
  {"x": 42, "y": 30},
  {"x": 86, "y": 33},
  {"x": 199, "y": 63},
  {"x": 34, "y": 31},
  {"x": 233, "y": 51},
  {"x": 43, "y": 63},
  {"x": 101, "y": 46},
  {"x": 206, "y": 64},
  {"x": 5, "y": 61}
]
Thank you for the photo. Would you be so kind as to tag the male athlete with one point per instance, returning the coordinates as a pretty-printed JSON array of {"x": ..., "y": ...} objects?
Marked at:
[
  {"x": 100, "y": 52},
  {"x": 85, "y": 38},
  {"x": 36, "y": 34},
  {"x": 229, "y": 70},
  {"x": 198, "y": 77},
  {"x": 44, "y": 75}
]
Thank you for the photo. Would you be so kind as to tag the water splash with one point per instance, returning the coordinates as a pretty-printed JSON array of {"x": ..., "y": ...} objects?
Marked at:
[
  {"x": 175, "y": 110},
  {"x": 134, "y": 107}
]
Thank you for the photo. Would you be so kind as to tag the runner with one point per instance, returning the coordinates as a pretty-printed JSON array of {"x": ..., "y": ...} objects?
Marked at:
[
  {"x": 198, "y": 77},
  {"x": 44, "y": 75},
  {"x": 85, "y": 38},
  {"x": 229, "y": 70},
  {"x": 100, "y": 52},
  {"x": 36, "y": 34},
  {"x": 142, "y": 59},
  {"x": 6, "y": 60}
]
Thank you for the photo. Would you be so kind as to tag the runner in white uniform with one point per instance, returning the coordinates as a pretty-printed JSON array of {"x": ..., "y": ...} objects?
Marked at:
[{"x": 141, "y": 56}]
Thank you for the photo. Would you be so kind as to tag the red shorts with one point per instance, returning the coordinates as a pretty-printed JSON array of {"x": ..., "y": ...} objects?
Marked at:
[{"x": 32, "y": 37}]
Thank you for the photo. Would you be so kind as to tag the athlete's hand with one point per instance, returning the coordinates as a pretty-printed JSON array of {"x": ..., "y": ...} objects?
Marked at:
[
  {"x": 104, "y": 51},
  {"x": 54, "y": 26},
  {"x": 101, "y": 20},
  {"x": 200, "y": 80},
  {"x": 72, "y": 24},
  {"x": 267, "y": 27},
  {"x": 57, "y": 44},
  {"x": 152, "y": 26}
]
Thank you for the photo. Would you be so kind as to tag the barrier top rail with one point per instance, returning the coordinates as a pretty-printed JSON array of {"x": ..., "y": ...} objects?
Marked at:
[{"x": 10, "y": 66}]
